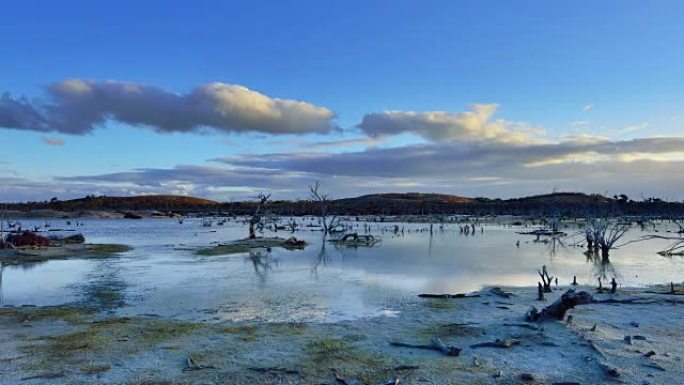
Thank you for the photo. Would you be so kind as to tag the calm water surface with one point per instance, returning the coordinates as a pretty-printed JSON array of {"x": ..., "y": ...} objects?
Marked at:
[{"x": 162, "y": 275}]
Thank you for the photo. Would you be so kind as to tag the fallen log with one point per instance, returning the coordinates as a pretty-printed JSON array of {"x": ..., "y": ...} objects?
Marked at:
[
  {"x": 559, "y": 307},
  {"x": 523, "y": 325},
  {"x": 447, "y": 296},
  {"x": 505, "y": 343},
  {"x": 274, "y": 370},
  {"x": 435, "y": 344}
]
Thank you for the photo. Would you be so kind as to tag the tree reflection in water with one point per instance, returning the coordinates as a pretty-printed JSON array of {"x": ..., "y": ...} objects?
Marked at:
[{"x": 262, "y": 262}]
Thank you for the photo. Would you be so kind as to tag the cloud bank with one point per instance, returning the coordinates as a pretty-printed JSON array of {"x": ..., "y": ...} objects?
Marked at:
[
  {"x": 438, "y": 126},
  {"x": 78, "y": 107}
]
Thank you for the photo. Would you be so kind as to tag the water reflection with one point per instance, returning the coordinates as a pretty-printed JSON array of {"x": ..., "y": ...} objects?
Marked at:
[
  {"x": 2, "y": 270},
  {"x": 262, "y": 262},
  {"x": 603, "y": 269},
  {"x": 322, "y": 258},
  {"x": 329, "y": 280}
]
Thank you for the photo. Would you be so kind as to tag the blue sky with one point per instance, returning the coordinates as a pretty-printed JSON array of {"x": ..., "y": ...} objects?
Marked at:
[{"x": 607, "y": 71}]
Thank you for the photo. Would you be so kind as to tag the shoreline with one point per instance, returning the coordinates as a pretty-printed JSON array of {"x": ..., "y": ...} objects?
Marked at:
[{"x": 79, "y": 345}]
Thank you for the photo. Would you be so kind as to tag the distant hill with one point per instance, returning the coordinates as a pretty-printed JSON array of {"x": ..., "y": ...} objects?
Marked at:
[
  {"x": 563, "y": 198},
  {"x": 412, "y": 197},
  {"x": 142, "y": 202},
  {"x": 576, "y": 204}
]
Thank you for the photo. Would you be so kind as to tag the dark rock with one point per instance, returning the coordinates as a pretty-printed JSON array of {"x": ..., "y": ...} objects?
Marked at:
[{"x": 78, "y": 238}]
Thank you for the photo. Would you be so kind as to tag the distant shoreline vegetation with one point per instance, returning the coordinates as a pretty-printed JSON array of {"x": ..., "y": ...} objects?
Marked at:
[{"x": 570, "y": 204}]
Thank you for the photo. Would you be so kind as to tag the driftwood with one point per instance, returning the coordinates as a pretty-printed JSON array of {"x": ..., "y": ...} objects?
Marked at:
[
  {"x": 435, "y": 344},
  {"x": 505, "y": 343},
  {"x": 274, "y": 370},
  {"x": 447, "y": 296},
  {"x": 559, "y": 307},
  {"x": 671, "y": 292},
  {"x": 522, "y": 325}
]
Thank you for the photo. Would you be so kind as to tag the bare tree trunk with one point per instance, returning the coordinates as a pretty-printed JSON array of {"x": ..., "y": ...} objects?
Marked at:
[{"x": 559, "y": 307}]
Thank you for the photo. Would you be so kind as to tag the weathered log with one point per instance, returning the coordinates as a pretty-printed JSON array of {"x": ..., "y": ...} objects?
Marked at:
[
  {"x": 435, "y": 344},
  {"x": 559, "y": 307},
  {"x": 447, "y": 296},
  {"x": 522, "y": 325}
]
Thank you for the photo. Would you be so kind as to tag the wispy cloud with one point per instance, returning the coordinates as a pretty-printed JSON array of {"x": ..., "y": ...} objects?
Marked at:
[
  {"x": 580, "y": 123},
  {"x": 633, "y": 127},
  {"x": 52, "y": 141},
  {"x": 587, "y": 107},
  {"x": 650, "y": 164}
]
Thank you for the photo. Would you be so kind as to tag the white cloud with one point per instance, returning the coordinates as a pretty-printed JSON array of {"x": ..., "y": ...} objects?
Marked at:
[
  {"x": 439, "y": 126},
  {"x": 78, "y": 106},
  {"x": 587, "y": 107}
]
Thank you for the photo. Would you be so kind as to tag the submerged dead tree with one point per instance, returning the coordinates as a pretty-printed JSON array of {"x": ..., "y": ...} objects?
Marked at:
[
  {"x": 256, "y": 221},
  {"x": 603, "y": 233},
  {"x": 327, "y": 221}
]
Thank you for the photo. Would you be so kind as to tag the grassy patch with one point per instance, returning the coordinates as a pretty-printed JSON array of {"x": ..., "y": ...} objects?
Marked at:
[
  {"x": 68, "y": 344},
  {"x": 288, "y": 329},
  {"x": 245, "y": 333},
  {"x": 328, "y": 346},
  {"x": 158, "y": 330},
  {"x": 105, "y": 293},
  {"x": 351, "y": 362},
  {"x": 108, "y": 249},
  {"x": 28, "y": 314},
  {"x": 95, "y": 369},
  {"x": 222, "y": 250}
]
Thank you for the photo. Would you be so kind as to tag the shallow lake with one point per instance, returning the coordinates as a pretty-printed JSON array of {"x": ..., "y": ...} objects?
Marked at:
[{"x": 162, "y": 275}]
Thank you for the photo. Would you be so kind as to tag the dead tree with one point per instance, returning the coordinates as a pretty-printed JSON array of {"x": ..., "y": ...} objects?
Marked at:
[
  {"x": 540, "y": 292},
  {"x": 327, "y": 221},
  {"x": 557, "y": 310},
  {"x": 256, "y": 222},
  {"x": 603, "y": 233},
  {"x": 546, "y": 279}
]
